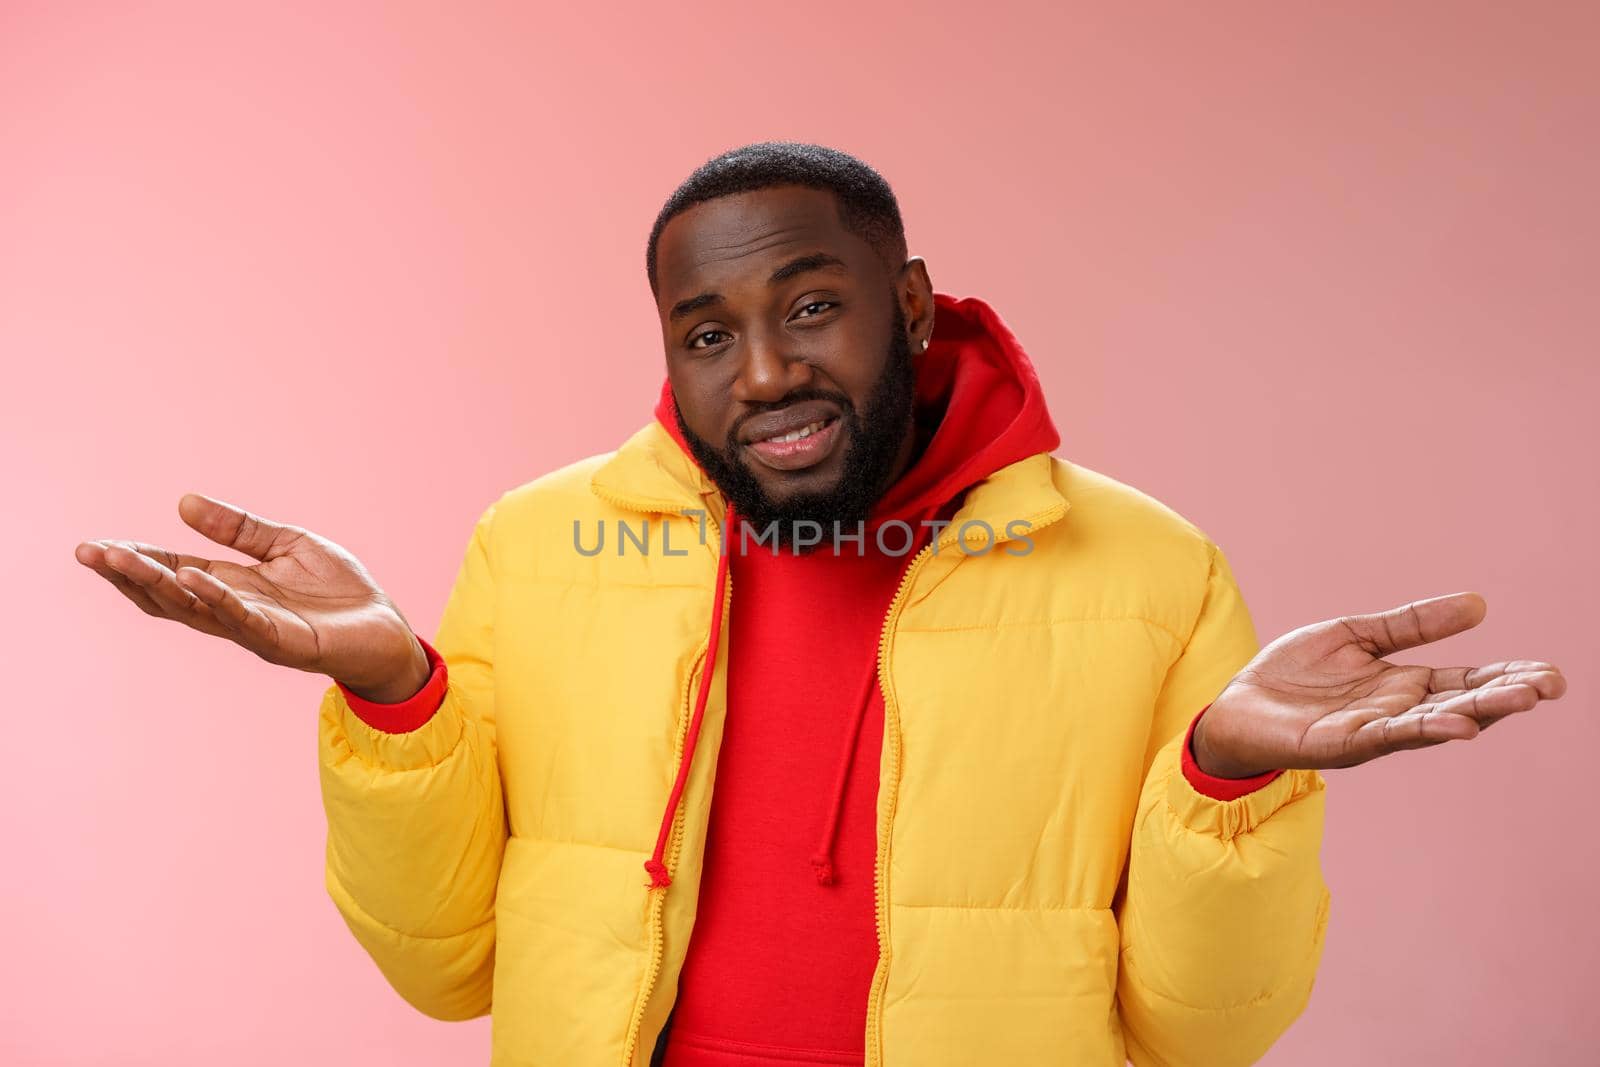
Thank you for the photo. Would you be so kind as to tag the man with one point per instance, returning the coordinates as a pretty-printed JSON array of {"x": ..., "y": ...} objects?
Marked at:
[{"x": 1000, "y": 772}]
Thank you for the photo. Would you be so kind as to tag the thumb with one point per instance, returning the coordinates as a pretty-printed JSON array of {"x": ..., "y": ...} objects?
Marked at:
[
  {"x": 1417, "y": 623},
  {"x": 235, "y": 527}
]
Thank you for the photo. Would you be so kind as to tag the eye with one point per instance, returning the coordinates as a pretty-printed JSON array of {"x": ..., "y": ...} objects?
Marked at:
[
  {"x": 818, "y": 304},
  {"x": 708, "y": 333}
]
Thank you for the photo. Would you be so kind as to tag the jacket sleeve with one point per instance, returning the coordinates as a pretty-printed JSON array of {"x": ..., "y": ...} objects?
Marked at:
[
  {"x": 416, "y": 820},
  {"x": 1223, "y": 907}
]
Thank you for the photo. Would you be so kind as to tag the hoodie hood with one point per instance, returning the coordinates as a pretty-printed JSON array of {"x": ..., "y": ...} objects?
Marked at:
[{"x": 979, "y": 407}]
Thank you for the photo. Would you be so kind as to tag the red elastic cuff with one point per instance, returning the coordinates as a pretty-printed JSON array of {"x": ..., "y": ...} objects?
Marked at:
[
  {"x": 1217, "y": 788},
  {"x": 408, "y": 714}
]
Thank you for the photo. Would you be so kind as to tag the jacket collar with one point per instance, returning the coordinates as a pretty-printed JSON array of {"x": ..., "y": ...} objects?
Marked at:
[{"x": 651, "y": 474}]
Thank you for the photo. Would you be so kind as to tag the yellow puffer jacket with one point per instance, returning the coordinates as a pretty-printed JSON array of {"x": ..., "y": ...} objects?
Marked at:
[{"x": 1050, "y": 888}]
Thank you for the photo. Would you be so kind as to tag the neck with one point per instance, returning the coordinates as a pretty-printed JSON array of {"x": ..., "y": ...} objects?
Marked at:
[{"x": 911, "y": 449}]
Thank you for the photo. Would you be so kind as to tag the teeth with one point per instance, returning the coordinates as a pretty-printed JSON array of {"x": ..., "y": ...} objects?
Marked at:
[{"x": 804, "y": 431}]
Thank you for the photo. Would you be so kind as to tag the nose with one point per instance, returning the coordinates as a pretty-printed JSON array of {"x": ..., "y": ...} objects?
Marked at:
[{"x": 769, "y": 374}]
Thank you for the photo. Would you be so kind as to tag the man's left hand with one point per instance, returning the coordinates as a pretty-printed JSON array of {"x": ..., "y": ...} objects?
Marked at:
[{"x": 1322, "y": 696}]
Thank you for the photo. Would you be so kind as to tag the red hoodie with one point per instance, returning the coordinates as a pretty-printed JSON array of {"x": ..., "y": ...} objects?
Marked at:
[{"x": 784, "y": 946}]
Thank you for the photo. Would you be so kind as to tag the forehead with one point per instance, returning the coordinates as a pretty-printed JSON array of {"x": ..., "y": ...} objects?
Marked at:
[{"x": 733, "y": 240}]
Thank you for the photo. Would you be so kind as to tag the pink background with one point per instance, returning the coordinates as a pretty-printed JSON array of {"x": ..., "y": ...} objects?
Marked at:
[{"x": 1321, "y": 280}]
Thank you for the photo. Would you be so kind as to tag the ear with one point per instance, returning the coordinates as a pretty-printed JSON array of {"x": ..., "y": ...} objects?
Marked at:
[{"x": 915, "y": 292}]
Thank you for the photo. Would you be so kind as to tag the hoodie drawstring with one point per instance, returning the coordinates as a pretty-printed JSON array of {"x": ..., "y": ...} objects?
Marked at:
[
  {"x": 656, "y": 864},
  {"x": 822, "y": 861}
]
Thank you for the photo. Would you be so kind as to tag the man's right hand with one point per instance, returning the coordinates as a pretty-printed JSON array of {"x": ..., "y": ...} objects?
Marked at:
[{"x": 307, "y": 603}]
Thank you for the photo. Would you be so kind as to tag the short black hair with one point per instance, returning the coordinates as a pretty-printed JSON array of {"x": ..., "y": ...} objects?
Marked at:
[{"x": 867, "y": 206}]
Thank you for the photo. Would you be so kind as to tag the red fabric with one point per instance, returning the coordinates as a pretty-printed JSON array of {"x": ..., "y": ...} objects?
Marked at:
[
  {"x": 408, "y": 714},
  {"x": 1217, "y": 788},
  {"x": 785, "y": 940},
  {"x": 656, "y": 864}
]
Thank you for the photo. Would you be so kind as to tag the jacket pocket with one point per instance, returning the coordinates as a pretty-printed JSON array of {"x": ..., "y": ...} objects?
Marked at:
[
  {"x": 570, "y": 952},
  {"x": 1002, "y": 985}
]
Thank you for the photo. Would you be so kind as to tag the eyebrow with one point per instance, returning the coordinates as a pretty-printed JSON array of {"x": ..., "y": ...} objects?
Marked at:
[{"x": 799, "y": 265}]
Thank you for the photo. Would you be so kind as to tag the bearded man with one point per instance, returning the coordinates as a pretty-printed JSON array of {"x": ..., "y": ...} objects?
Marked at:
[{"x": 831, "y": 718}]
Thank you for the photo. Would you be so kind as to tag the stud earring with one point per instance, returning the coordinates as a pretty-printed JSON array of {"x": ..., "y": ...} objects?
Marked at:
[{"x": 925, "y": 342}]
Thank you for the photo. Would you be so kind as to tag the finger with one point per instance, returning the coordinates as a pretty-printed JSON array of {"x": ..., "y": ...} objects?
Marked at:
[
  {"x": 161, "y": 586},
  {"x": 1453, "y": 679},
  {"x": 164, "y": 556},
  {"x": 1487, "y": 705},
  {"x": 1418, "y": 728},
  {"x": 1459, "y": 718},
  {"x": 1546, "y": 679},
  {"x": 1487, "y": 712},
  {"x": 1417, "y": 623},
  {"x": 237, "y": 528},
  {"x": 92, "y": 555},
  {"x": 248, "y": 625}
]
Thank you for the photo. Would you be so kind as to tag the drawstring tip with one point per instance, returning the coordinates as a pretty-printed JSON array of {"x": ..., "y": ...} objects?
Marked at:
[
  {"x": 659, "y": 878},
  {"x": 824, "y": 868}
]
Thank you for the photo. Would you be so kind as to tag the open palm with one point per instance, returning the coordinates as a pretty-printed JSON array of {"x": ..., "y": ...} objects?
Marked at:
[
  {"x": 1323, "y": 695},
  {"x": 307, "y": 603}
]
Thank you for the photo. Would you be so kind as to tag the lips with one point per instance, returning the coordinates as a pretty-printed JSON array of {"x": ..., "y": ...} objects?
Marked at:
[
  {"x": 794, "y": 451},
  {"x": 787, "y": 420},
  {"x": 799, "y": 436}
]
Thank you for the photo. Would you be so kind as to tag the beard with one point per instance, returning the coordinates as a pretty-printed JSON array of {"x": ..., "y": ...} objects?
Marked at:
[{"x": 876, "y": 434}]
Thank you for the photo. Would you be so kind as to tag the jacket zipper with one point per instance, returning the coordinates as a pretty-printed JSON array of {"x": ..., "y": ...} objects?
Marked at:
[
  {"x": 874, "y": 1037},
  {"x": 891, "y": 782},
  {"x": 675, "y": 840}
]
